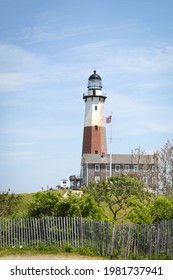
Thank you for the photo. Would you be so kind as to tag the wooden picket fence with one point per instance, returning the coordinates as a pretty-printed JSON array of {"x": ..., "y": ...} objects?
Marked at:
[{"x": 105, "y": 238}]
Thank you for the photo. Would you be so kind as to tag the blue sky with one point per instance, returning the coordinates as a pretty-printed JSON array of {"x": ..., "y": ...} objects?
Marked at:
[{"x": 48, "y": 49}]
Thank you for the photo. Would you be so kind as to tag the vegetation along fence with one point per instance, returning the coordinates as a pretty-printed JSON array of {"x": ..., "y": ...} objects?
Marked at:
[{"x": 107, "y": 239}]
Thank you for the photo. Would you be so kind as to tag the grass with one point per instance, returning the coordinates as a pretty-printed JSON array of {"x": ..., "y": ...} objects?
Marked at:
[
  {"x": 50, "y": 252},
  {"x": 27, "y": 198},
  {"x": 68, "y": 252},
  {"x": 120, "y": 216},
  {"x": 22, "y": 208}
]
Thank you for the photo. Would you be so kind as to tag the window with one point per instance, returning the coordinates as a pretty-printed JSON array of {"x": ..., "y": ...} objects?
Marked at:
[
  {"x": 154, "y": 180},
  {"x": 97, "y": 178},
  {"x": 96, "y": 127},
  {"x": 97, "y": 167},
  {"x": 153, "y": 168},
  {"x": 107, "y": 167},
  {"x": 95, "y": 108},
  {"x": 96, "y": 151},
  {"x": 145, "y": 180},
  {"x": 126, "y": 168},
  {"x": 135, "y": 168},
  {"x": 117, "y": 168}
]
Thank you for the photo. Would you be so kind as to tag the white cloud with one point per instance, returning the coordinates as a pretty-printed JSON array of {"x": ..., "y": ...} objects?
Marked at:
[
  {"x": 20, "y": 144},
  {"x": 11, "y": 103},
  {"x": 129, "y": 72},
  {"x": 48, "y": 33},
  {"x": 122, "y": 66},
  {"x": 137, "y": 115},
  {"x": 16, "y": 154},
  {"x": 39, "y": 133},
  {"x": 16, "y": 58},
  {"x": 118, "y": 58},
  {"x": 159, "y": 127},
  {"x": 19, "y": 69},
  {"x": 17, "y": 81}
]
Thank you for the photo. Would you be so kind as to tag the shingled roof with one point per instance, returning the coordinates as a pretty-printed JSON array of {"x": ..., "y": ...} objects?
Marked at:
[{"x": 118, "y": 159}]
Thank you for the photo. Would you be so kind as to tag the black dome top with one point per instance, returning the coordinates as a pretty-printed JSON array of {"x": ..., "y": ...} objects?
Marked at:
[
  {"x": 94, "y": 76},
  {"x": 94, "y": 82}
]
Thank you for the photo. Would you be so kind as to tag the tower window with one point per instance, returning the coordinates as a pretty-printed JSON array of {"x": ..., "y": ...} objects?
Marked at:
[
  {"x": 96, "y": 108},
  {"x": 96, "y": 127},
  {"x": 94, "y": 92}
]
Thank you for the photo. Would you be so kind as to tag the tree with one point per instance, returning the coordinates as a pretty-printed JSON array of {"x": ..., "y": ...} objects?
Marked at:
[
  {"x": 8, "y": 204},
  {"x": 90, "y": 209},
  {"x": 159, "y": 179},
  {"x": 54, "y": 204},
  {"x": 68, "y": 206},
  {"x": 140, "y": 209},
  {"x": 146, "y": 169},
  {"x": 165, "y": 168},
  {"x": 44, "y": 204},
  {"x": 151, "y": 210},
  {"x": 162, "y": 209},
  {"x": 116, "y": 192}
]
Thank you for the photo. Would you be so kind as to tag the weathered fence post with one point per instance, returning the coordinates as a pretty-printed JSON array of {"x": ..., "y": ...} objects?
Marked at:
[{"x": 123, "y": 240}]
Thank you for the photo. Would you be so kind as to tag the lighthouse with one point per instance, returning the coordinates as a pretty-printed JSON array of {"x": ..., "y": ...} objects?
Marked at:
[
  {"x": 96, "y": 163},
  {"x": 94, "y": 135}
]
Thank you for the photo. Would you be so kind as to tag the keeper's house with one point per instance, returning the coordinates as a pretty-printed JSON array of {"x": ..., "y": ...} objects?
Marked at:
[{"x": 96, "y": 167}]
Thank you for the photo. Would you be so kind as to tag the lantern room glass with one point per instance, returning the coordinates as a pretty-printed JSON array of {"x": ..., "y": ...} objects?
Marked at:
[{"x": 94, "y": 84}]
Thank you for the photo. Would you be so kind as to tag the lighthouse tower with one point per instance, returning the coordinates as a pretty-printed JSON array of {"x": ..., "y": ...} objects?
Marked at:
[{"x": 94, "y": 136}]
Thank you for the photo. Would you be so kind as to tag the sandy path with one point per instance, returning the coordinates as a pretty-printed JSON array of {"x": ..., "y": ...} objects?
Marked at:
[{"x": 49, "y": 257}]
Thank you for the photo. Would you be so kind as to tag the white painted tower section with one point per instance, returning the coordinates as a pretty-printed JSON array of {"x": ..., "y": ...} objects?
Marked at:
[{"x": 94, "y": 111}]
